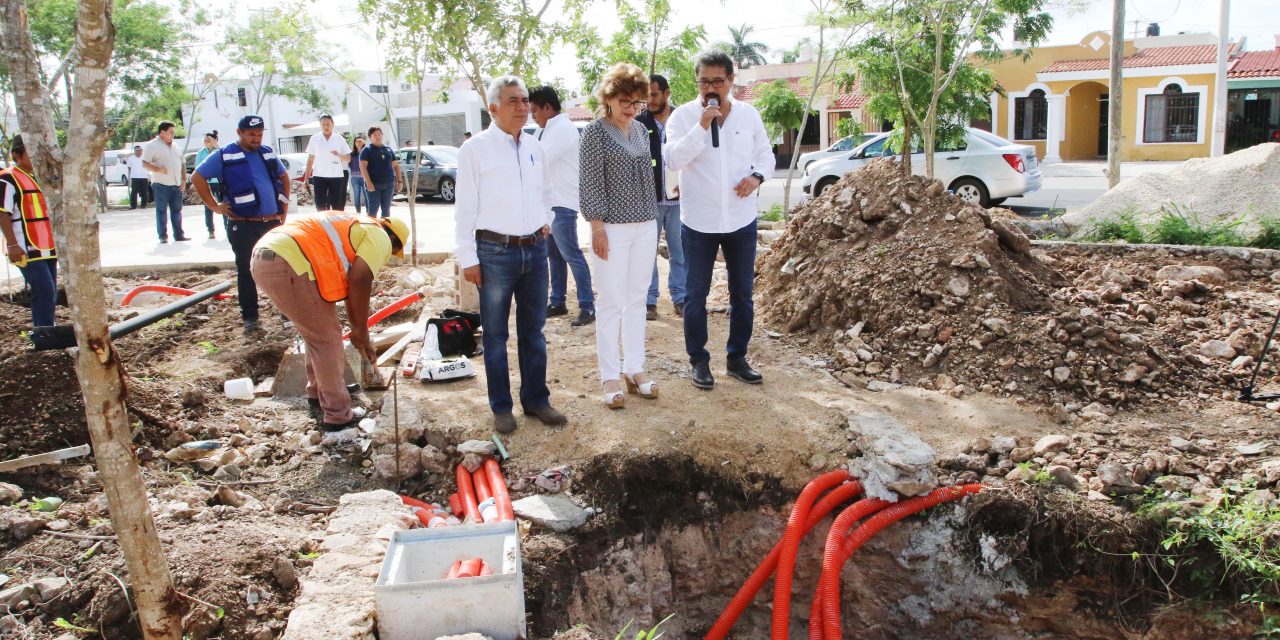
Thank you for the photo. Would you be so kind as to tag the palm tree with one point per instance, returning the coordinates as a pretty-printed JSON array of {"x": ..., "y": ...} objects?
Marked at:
[{"x": 744, "y": 54}]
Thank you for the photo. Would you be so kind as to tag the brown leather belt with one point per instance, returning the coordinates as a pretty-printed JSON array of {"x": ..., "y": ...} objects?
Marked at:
[
  {"x": 274, "y": 218},
  {"x": 509, "y": 241}
]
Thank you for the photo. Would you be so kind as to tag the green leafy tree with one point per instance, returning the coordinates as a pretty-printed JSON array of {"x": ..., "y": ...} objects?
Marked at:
[
  {"x": 744, "y": 52},
  {"x": 848, "y": 127},
  {"x": 929, "y": 42},
  {"x": 276, "y": 49},
  {"x": 480, "y": 38},
  {"x": 780, "y": 108},
  {"x": 645, "y": 40}
]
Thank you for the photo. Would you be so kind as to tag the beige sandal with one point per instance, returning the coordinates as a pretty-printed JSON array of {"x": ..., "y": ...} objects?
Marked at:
[
  {"x": 614, "y": 398},
  {"x": 647, "y": 389}
]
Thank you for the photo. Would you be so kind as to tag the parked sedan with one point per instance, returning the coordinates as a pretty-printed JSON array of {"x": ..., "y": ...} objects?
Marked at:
[
  {"x": 841, "y": 146},
  {"x": 985, "y": 169},
  {"x": 437, "y": 168}
]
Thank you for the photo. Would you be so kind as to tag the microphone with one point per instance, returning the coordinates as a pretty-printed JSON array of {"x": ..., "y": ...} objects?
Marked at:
[{"x": 713, "y": 100}]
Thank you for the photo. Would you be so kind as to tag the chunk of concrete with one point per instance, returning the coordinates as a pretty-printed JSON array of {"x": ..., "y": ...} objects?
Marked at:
[
  {"x": 556, "y": 511},
  {"x": 291, "y": 375},
  {"x": 891, "y": 457}
]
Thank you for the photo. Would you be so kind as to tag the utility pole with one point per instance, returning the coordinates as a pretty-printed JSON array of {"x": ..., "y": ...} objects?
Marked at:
[
  {"x": 1115, "y": 96},
  {"x": 1219, "y": 141}
]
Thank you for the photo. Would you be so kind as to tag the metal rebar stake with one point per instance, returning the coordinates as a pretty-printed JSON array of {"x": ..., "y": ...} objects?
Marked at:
[
  {"x": 395, "y": 419},
  {"x": 1247, "y": 394}
]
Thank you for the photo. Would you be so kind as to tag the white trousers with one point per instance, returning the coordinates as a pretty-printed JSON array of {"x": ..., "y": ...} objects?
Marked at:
[{"x": 623, "y": 285}]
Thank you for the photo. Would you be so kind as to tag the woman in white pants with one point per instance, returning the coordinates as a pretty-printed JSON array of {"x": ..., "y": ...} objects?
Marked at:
[{"x": 616, "y": 194}]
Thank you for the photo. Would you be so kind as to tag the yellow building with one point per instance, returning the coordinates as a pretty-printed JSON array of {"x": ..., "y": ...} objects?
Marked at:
[{"x": 1057, "y": 99}]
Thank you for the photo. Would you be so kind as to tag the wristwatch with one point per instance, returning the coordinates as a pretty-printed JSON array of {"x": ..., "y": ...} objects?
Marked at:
[{"x": 759, "y": 176}]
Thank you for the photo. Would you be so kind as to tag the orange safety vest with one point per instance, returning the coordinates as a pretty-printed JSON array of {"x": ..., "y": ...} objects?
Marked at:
[
  {"x": 36, "y": 225},
  {"x": 326, "y": 243}
]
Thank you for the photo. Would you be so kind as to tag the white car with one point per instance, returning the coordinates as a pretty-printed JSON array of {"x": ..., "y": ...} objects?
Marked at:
[
  {"x": 985, "y": 170},
  {"x": 295, "y": 164},
  {"x": 841, "y": 146},
  {"x": 114, "y": 169}
]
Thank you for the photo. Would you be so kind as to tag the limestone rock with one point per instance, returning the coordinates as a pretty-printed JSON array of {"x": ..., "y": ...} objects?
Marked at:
[
  {"x": 1205, "y": 274},
  {"x": 1116, "y": 479},
  {"x": 1052, "y": 444},
  {"x": 554, "y": 511},
  {"x": 890, "y": 454},
  {"x": 10, "y": 492},
  {"x": 1217, "y": 349}
]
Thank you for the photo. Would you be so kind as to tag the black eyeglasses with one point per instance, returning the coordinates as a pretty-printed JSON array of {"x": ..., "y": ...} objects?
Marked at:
[
  {"x": 717, "y": 83},
  {"x": 627, "y": 104}
]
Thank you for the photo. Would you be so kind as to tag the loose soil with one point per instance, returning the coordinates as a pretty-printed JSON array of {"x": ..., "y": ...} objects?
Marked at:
[{"x": 691, "y": 489}]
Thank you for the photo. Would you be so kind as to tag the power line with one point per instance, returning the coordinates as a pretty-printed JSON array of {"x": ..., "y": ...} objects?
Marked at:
[{"x": 1134, "y": 5}]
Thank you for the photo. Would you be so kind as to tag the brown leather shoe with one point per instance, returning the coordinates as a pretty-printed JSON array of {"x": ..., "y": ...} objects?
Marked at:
[
  {"x": 547, "y": 415},
  {"x": 504, "y": 423}
]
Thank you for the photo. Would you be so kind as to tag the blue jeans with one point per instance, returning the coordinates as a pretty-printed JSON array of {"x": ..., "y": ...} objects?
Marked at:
[
  {"x": 669, "y": 219},
  {"x": 380, "y": 198},
  {"x": 243, "y": 236},
  {"x": 168, "y": 197},
  {"x": 519, "y": 272},
  {"x": 215, "y": 188},
  {"x": 42, "y": 277},
  {"x": 740, "y": 260},
  {"x": 359, "y": 196},
  {"x": 564, "y": 254}
]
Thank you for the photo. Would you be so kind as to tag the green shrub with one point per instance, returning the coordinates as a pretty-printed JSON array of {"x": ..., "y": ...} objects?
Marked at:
[
  {"x": 1238, "y": 544},
  {"x": 1122, "y": 226},
  {"x": 774, "y": 214},
  {"x": 1178, "y": 224},
  {"x": 1269, "y": 232}
]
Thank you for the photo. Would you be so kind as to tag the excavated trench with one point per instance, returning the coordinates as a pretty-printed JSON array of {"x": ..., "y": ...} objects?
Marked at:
[{"x": 677, "y": 538}]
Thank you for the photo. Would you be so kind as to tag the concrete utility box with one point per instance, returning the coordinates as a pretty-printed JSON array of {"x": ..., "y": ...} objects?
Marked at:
[{"x": 414, "y": 601}]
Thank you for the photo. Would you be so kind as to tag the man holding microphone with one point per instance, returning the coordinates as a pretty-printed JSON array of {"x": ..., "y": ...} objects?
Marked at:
[{"x": 722, "y": 151}]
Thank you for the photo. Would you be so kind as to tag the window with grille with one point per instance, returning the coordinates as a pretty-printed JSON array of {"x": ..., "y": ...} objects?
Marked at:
[
  {"x": 378, "y": 88},
  {"x": 1172, "y": 116},
  {"x": 242, "y": 97},
  {"x": 1031, "y": 117}
]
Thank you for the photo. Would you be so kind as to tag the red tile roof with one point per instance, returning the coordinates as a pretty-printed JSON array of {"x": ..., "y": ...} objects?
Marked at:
[
  {"x": 580, "y": 113},
  {"x": 848, "y": 100},
  {"x": 1152, "y": 57},
  {"x": 1256, "y": 64}
]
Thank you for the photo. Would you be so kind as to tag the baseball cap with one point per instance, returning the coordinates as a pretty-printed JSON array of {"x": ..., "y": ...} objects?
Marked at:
[
  {"x": 250, "y": 122},
  {"x": 401, "y": 230}
]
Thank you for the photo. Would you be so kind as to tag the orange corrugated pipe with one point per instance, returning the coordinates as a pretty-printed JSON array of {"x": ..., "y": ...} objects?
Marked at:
[
  {"x": 480, "y": 482},
  {"x": 744, "y": 596},
  {"x": 498, "y": 486},
  {"x": 790, "y": 545},
  {"x": 830, "y": 580},
  {"x": 831, "y": 550},
  {"x": 386, "y": 311},
  {"x": 161, "y": 288},
  {"x": 466, "y": 493}
]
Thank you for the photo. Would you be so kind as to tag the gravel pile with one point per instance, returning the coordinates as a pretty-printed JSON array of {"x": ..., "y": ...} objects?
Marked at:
[
  {"x": 1246, "y": 183},
  {"x": 900, "y": 282}
]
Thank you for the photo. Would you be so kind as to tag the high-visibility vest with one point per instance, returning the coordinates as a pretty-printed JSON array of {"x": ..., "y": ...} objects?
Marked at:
[
  {"x": 36, "y": 226},
  {"x": 326, "y": 243},
  {"x": 238, "y": 179}
]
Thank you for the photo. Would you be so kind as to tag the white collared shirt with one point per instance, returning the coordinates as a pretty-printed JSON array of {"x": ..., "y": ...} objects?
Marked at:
[
  {"x": 136, "y": 170},
  {"x": 708, "y": 175},
  {"x": 168, "y": 156},
  {"x": 327, "y": 165},
  {"x": 560, "y": 145},
  {"x": 502, "y": 187}
]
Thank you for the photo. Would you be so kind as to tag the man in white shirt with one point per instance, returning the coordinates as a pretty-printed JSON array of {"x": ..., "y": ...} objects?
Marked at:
[
  {"x": 164, "y": 161},
  {"x": 327, "y": 156},
  {"x": 139, "y": 183},
  {"x": 502, "y": 219},
  {"x": 721, "y": 168},
  {"x": 559, "y": 139}
]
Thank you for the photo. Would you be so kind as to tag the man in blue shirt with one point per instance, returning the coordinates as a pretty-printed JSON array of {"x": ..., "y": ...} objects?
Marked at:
[
  {"x": 381, "y": 172},
  {"x": 256, "y": 187}
]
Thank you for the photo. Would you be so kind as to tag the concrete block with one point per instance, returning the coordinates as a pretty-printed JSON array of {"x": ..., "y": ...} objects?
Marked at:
[
  {"x": 466, "y": 296},
  {"x": 291, "y": 376},
  {"x": 893, "y": 459}
]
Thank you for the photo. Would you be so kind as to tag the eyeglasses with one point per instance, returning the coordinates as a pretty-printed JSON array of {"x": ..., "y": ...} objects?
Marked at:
[
  {"x": 717, "y": 83},
  {"x": 627, "y": 104}
]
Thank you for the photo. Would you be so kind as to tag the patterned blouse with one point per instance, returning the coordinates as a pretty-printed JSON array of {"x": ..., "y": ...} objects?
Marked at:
[{"x": 616, "y": 178}]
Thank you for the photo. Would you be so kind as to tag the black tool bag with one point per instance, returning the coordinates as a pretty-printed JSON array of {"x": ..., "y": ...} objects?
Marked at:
[{"x": 456, "y": 332}]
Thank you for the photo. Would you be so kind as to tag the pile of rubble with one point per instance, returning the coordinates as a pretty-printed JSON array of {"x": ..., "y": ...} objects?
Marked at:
[{"x": 903, "y": 283}]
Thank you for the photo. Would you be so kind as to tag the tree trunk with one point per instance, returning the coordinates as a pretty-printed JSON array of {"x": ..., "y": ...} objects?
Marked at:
[
  {"x": 98, "y": 365},
  {"x": 906, "y": 145},
  {"x": 804, "y": 122},
  {"x": 927, "y": 138},
  {"x": 413, "y": 180}
]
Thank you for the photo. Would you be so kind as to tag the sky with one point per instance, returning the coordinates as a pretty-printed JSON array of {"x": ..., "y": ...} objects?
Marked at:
[{"x": 780, "y": 23}]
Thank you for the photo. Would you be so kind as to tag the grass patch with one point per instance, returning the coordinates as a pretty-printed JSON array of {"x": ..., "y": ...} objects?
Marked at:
[
  {"x": 774, "y": 214},
  {"x": 1179, "y": 224},
  {"x": 1269, "y": 235},
  {"x": 1122, "y": 226}
]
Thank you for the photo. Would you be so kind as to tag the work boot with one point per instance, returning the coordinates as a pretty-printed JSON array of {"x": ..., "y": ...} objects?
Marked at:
[
  {"x": 679, "y": 307},
  {"x": 702, "y": 378},
  {"x": 504, "y": 423},
  {"x": 651, "y": 312},
  {"x": 554, "y": 310},
  {"x": 738, "y": 368},
  {"x": 357, "y": 414},
  {"x": 585, "y": 317},
  {"x": 547, "y": 416},
  {"x": 252, "y": 328},
  {"x": 182, "y": 239}
]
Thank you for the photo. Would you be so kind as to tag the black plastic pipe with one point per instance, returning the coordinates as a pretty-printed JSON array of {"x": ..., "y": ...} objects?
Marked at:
[{"x": 64, "y": 336}]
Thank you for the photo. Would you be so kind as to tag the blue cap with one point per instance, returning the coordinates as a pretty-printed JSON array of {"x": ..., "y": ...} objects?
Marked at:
[{"x": 250, "y": 122}]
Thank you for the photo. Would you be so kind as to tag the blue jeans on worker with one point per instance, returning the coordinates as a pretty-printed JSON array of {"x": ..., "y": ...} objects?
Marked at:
[
  {"x": 215, "y": 187},
  {"x": 358, "y": 195},
  {"x": 564, "y": 255},
  {"x": 519, "y": 273},
  {"x": 168, "y": 198},
  {"x": 669, "y": 223},
  {"x": 42, "y": 277},
  {"x": 740, "y": 260},
  {"x": 380, "y": 199},
  {"x": 242, "y": 236}
]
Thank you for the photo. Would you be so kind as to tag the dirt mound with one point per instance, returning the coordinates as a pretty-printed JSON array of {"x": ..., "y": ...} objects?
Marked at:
[
  {"x": 1245, "y": 183},
  {"x": 900, "y": 281}
]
